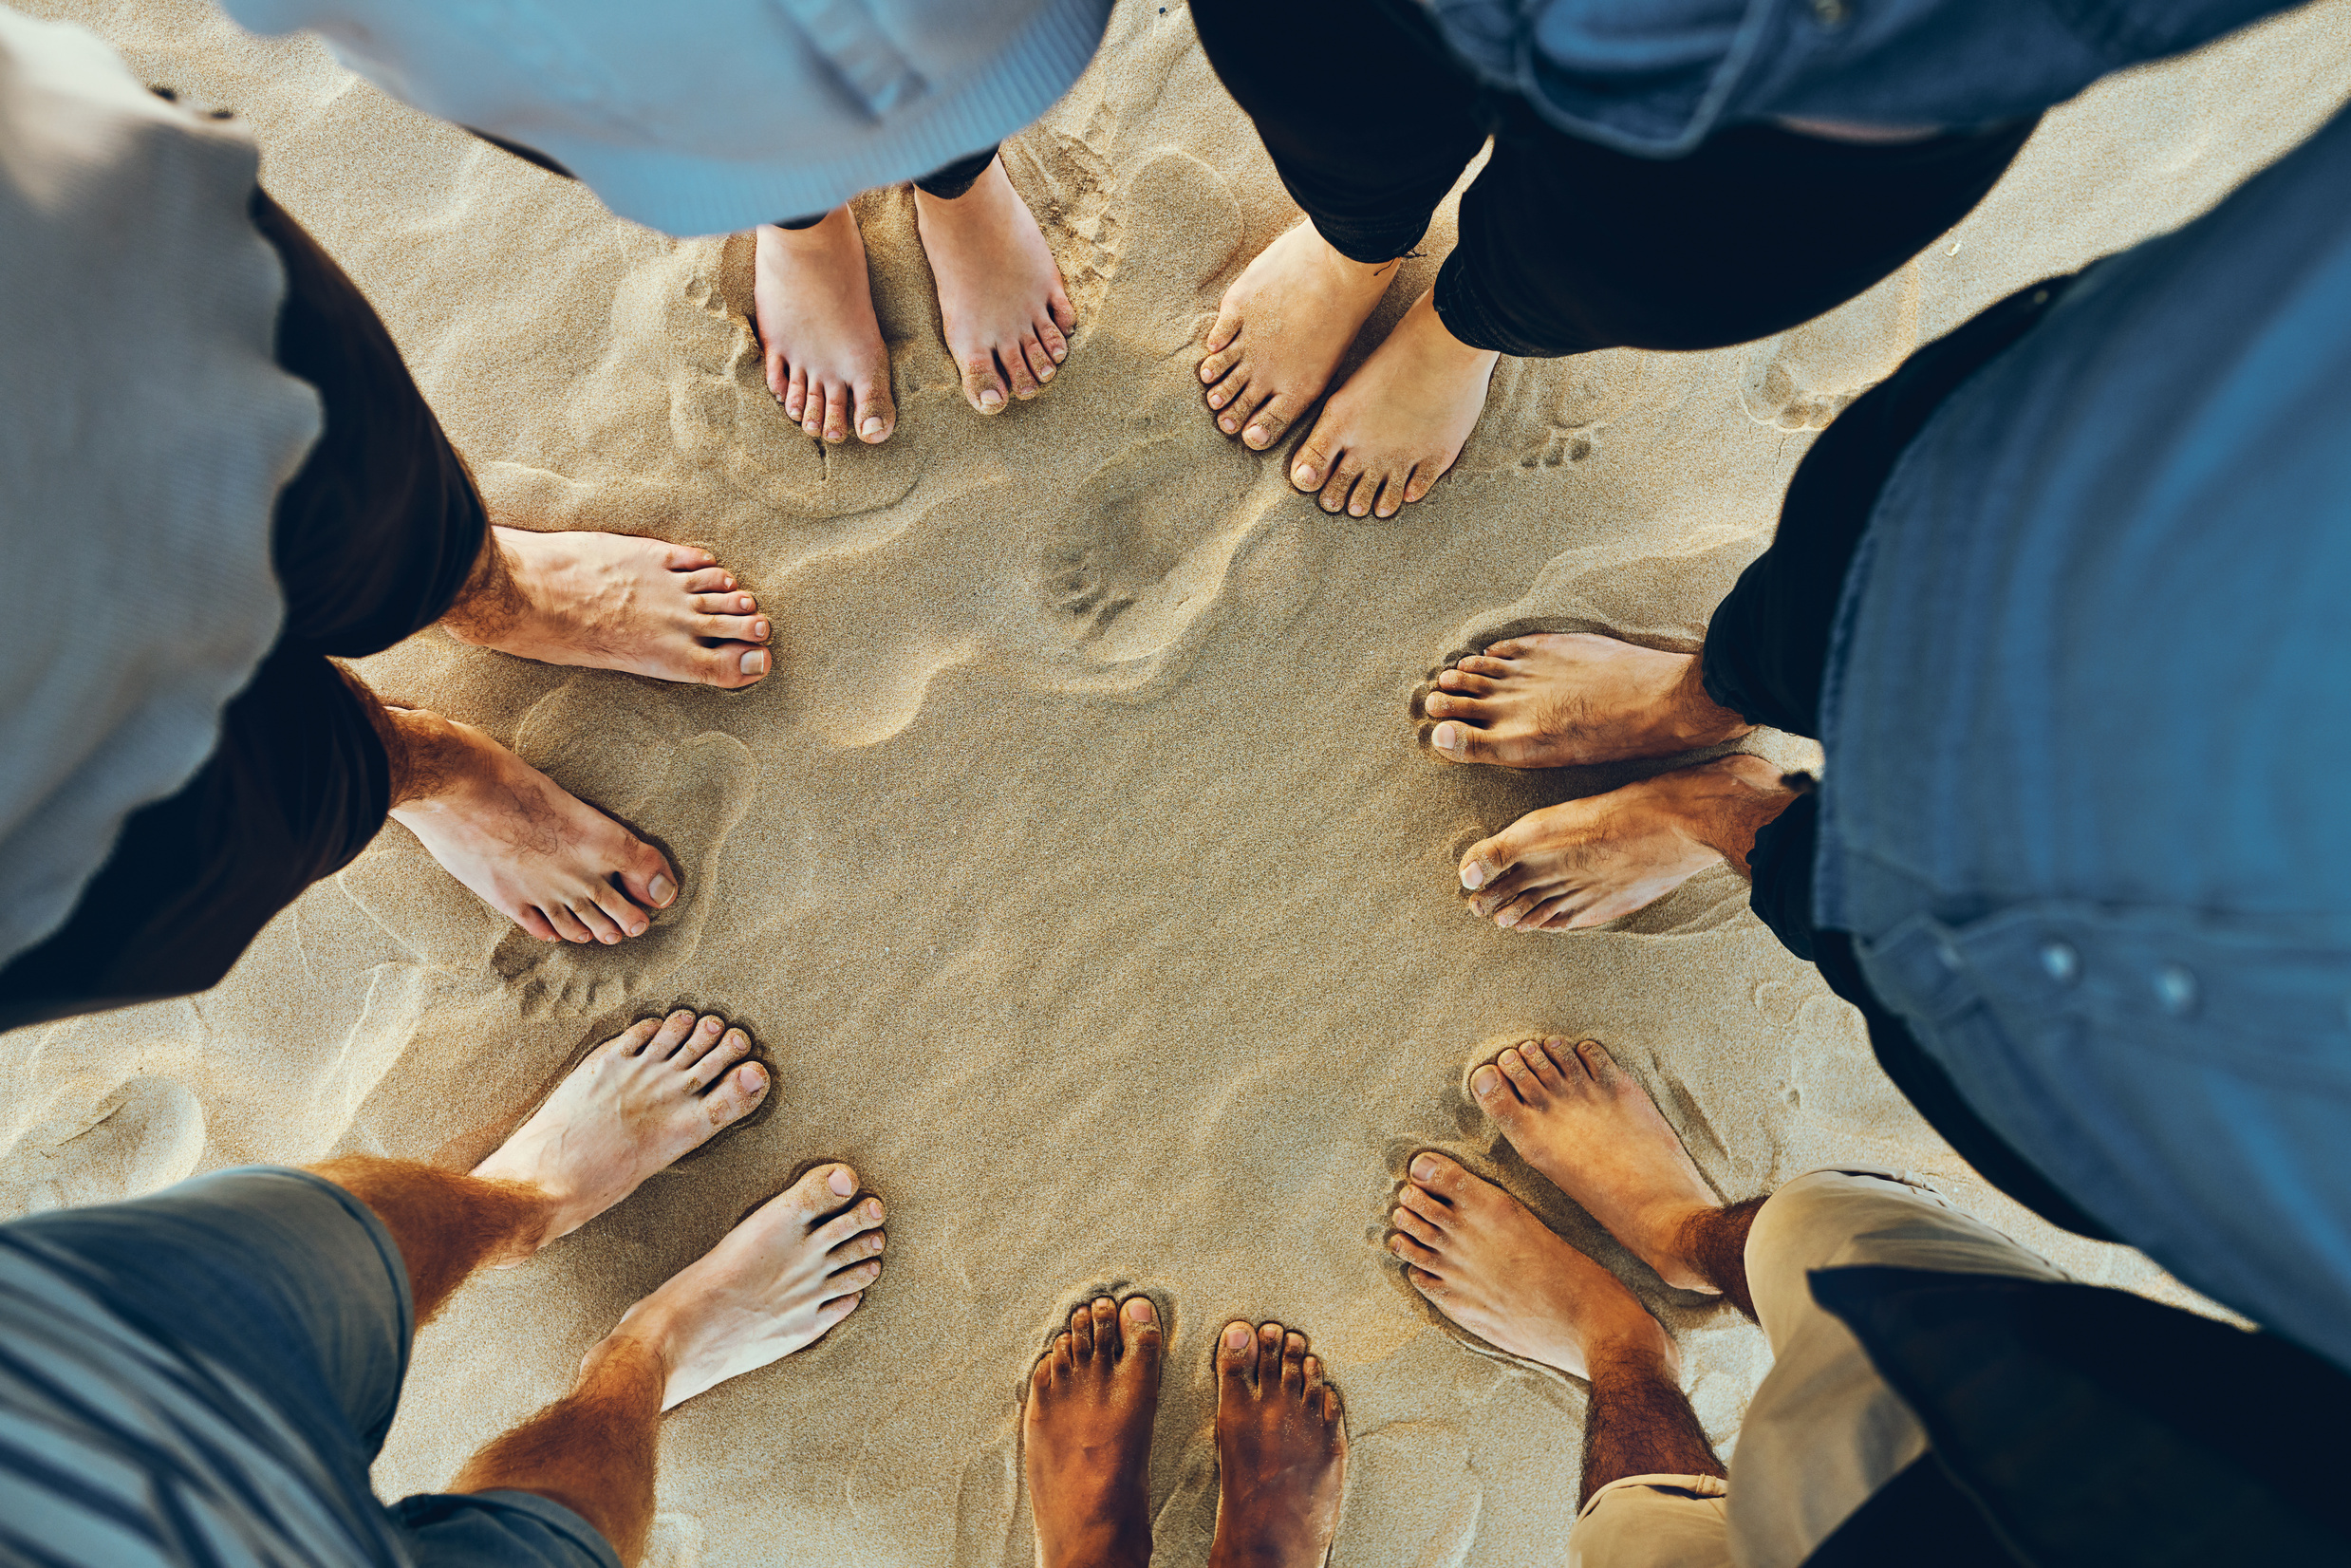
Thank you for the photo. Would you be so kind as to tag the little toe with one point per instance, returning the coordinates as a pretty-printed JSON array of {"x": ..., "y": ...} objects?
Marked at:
[
  {"x": 1414, "y": 1251},
  {"x": 852, "y": 1282},
  {"x": 1063, "y": 315},
  {"x": 1055, "y": 334}
]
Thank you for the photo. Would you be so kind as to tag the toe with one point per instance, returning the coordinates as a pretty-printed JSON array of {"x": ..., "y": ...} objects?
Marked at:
[
  {"x": 1464, "y": 681},
  {"x": 838, "y": 1308},
  {"x": 1221, "y": 335},
  {"x": 732, "y": 629},
  {"x": 1269, "y": 1357},
  {"x": 736, "y": 1095},
  {"x": 1440, "y": 1175},
  {"x": 1016, "y": 373},
  {"x": 725, "y": 604},
  {"x": 1215, "y": 367},
  {"x": 538, "y": 926},
  {"x": 1411, "y": 1249},
  {"x": 1105, "y": 1314},
  {"x": 877, "y": 414},
  {"x": 1391, "y": 496},
  {"x": 983, "y": 388},
  {"x": 1597, "y": 1062},
  {"x": 1456, "y": 704},
  {"x": 1407, "y": 1222},
  {"x": 1294, "y": 1362},
  {"x": 646, "y": 877},
  {"x": 1082, "y": 1334},
  {"x": 601, "y": 926},
  {"x": 789, "y": 385},
  {"x": 1269, "y": 422},
  {"x": 1063, "y": 1357},
  {"x": 1486, "y": 862},
  {"x": 1485, "y": 663},
  {"x": 1053, "y": 332},
  {"x": 1063, "y": 315},
  {"x": 655, "y": 1037},
  {"x": 1236, "y": 1352},
  {"x": 1494, "y": 1094},
  {"x": 690, "y": 1043},
  {"x": 1313, "y": 462},
  {"x": 838, "y": 1234},
  {"x": 822, "y": 1190},
  {"x": 836, "y": 414},
  {"x": 1538, "y": 1062},
  {"x": 1522, "y": 1080},
  {"x": 616, "y": 906},
  {"x": 849, "y": 1281},
  {"x": 1040, "y": 362},
  {"x": 1139, "y": 1326},
  {"x": 1342, "y": 482},
  {"x": 709, "y": 580},
  {"x": 728, "y": 1049}
]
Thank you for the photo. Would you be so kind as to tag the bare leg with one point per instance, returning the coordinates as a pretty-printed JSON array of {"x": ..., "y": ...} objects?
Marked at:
[
  {"x": 1640, "y": 1423},
  {"x": 612, "y": 602},
  {"x": 1583, "y": 863},
  {"x": 1558, "y": 700},
  {"x": 825, "y": 365},
  {"x": 1086, "y": 1437},
  {"x": 1399, "y": 422},
  {"x": 1282, "y": 1451},
  {"x": 539, "y": 855},
  {"x": 592, "y": 1451},
  {"x": 1002, "y": 303}
]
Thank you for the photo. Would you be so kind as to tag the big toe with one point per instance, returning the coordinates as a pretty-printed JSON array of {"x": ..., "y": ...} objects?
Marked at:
[{"x": 1139, "y": 1322}]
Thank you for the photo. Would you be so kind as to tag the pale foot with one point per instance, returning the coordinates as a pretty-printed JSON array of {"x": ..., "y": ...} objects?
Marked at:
[
  {"x": 1561, "y": 700},
  {"x": 1488, "y": 1263},
  {"x": 1399, "y": 422},
  {"x": 817, "y": 331},
  {"x": 614, "y": 602},
  {"x": 776, "y": 1283},
  {"x": 662, "y": 1088},
  {"x": 548, "y": 861},
  {"x": 1282, "y": 328},
  {"x": 1282, "y": 1451},
  {"x": 1590, "y": 1127},
  {"x": 1001, "y": 304},
  {"x": 1086, "y": 1437},
  {"x": 1583, "y": 863}
]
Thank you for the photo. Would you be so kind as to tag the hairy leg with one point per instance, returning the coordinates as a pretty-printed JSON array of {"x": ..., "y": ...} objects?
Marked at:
[
  {"x": 1641, "y": 1423},
  {"x": 593, "y": 1450},
  {"x": 446, "y": 1224},
  {"x": 1714, "y": 1244}
]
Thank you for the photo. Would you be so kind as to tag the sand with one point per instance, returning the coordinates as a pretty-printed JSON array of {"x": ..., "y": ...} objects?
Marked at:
[{"x": 1079, "y": 871}]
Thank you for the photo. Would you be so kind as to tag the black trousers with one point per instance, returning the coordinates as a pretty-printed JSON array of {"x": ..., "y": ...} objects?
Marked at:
[
  {"x": 946, "y": 184},
  {"x": 1565, "y": 246},
  {"x": 372, "y": 540},
  {"x": 1766, "y": 652}
]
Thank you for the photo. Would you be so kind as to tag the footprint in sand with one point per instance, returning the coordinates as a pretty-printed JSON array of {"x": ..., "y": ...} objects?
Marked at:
[
  {"x": 141, "y": 1135},
  {"x": 628, "y": 748},
  {"x": 1804, "y": 377}
]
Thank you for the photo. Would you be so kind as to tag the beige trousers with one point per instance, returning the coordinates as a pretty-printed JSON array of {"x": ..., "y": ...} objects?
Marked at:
[{"x": 1823, "y": 1431}]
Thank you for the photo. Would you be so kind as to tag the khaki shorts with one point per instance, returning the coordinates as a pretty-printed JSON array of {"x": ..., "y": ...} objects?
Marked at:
[{"x": 1823, "y": 1431}]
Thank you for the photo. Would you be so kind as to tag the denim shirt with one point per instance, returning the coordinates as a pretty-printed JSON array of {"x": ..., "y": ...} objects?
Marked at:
[
  {"x": 1656, "y": 77},
  {"x": 2087, "y": 809}
]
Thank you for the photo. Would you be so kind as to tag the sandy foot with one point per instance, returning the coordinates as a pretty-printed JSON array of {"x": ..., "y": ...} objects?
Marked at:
[
  {"x": 817, "y": 331},
  {"x": 656, "y": 1091},
  {"x": 614, "y": 602},
  {"x": 1583, "y": 863},
  {"x": 1086, "y": 1437},
  {"x": 1399, "y": 422},
  {"x": 1282, "y": 329},
  {"x": 1282, "y": 1451},
  {"x": 1591, "y": 1128},
  {"x": 1560, "y": 699},
  {"x": 775, "y": 1284},
  {"x": 1002, "y": 303},
  {"x": 1484, "y": 1261},
  {"x": 552, "y": 864}
]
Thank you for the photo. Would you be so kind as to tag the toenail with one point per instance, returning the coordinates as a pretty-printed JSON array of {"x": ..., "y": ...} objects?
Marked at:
[
  {"x": 874, "y": 1208},
  {"x": 841, "y": 1181},
  {"x": 1225, "y": 425},
  {"x": 1474, "y": 876},
  {"x": 759, "y": 628},
  {"x": 1423, "y": 1169},
  {"x": 1302, "y": 474},
  {"x": 1485, "y": 1081},
  {"x": 661, "y": 890},
  {"x": 755, "y": 664},
  {"x": 1046, "y": 374},
  {"x": 1237, "y": 1337},
  {"x": 991, "y": 397},
  {"x": 1505, "y": 922},
  {"x": 869, "y": 427}
]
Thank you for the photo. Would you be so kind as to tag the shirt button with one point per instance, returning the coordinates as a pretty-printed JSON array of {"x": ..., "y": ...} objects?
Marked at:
[
  {"x": 2059, "y": 960},
  {"x": 2175, "y": 989}
]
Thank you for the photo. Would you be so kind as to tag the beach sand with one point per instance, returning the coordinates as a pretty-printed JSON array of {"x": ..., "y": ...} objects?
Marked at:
[{"x": 1080, "y": 871}]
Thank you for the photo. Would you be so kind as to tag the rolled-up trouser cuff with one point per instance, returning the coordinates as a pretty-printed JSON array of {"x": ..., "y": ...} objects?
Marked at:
[{"x": 1468, "y": 311}]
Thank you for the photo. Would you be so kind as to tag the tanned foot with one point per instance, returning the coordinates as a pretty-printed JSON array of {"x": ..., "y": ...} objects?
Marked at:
[
  {"x": 659, "y": 1090},
  {"x": 1283, "y": 329},
  {"x": 613, "y": 602},
  {"x": 1561, "y": 700},
  {"x": 1591, "y": 1128},
  {"x": 547, "y": 860},
  {"x": 775, "y": 1284},
  {"x": 1488, "y": 1265},
  {"x": 1086, "y": 1437},
  {"x": 1002, "y": 303},
  {"x": 1583, "y": 863},
  {"x": 817, "y": 331},
  {"x": 1282, "y": 1451},
  {"x": 1399, "y": 422}
]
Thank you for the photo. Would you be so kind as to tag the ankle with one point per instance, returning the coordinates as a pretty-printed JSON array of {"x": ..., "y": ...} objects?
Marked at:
[
  {"x": 1725, "y": 803},
  {"x": 1100, "y": 1543},
  {"x": 639, "y": 1344},
  {"x": 1632, "y": 1350},
  {"x": 1692, "y": 714}
]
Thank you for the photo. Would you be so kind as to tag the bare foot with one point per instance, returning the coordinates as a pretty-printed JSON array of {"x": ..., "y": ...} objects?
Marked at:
[
  {"x": 1482, "y": 1259},
  {"x": 1591, "y": 1128},
  {"x": 659, "y": 1090},
  {"x": 1561, "y": 700},
  {"x": 1399, "y": 422},
  {"x": 1282, "y": 1451},
  {"x": 814, "y": 307},
  {"x": 548, "y": 861},
  {"x": 1001, "y": 304},
  {"x": 614, "y": 602},
  {"x": 1283, "y": 329},
  {"x": 1086, "y": 1437},
  {"x": 776, "y": 1283},
  {"x": 1583, "y": 863}
]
